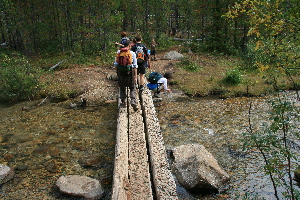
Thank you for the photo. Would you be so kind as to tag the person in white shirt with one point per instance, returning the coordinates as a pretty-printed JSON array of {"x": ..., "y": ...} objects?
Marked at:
[
  {"x": 162, "y": 85},
  {"x": 128, "y": 79}
]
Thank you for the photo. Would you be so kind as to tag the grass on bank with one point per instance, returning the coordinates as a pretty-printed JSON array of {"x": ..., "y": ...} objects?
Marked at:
[
  {"x": 198, "y": 74},
  {"x": 29, "y": 78},
  {"x": 227, "y": 77}
]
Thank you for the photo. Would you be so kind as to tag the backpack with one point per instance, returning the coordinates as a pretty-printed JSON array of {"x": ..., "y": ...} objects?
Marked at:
[
  {"x": 152, "y": 86},
  {"x": 139, "y": 53},
  {"x": 124, "y": 60},
  {"x": 154, "y": 77},
  {"x": 123, "y": 40}
]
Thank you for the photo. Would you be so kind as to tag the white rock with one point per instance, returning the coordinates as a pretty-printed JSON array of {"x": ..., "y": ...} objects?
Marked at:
[
  {"x": 6, "y": 173},
  {"x": 173, "y": 55},
  {"x": 80, "y": 186},
  {"x": 196, "y": 168}
]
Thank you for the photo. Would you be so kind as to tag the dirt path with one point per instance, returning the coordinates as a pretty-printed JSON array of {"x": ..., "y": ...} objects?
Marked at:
[{"x": 93, "y": 83}]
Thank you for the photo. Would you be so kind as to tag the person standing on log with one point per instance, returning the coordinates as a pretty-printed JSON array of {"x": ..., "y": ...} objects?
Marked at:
[
  {"x": 142, "y": 57},
  {"x": 126, "y": 67}
]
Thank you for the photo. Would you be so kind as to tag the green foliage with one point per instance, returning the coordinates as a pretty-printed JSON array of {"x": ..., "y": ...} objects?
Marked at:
[
  {"x": 18, "y": 81},
  {"x": 165, "y": 42},
  {"x": 193, "y": 46},
  {"x": 274, "y": 46},
  {"x": 219, "y": 44},
  {"x": 273, "y": 144},
  {"x": 189, "y": 65},
  {"x": 232, "y": 77}
]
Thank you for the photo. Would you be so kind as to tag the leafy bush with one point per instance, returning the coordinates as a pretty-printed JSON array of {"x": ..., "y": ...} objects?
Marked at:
[
  {"x": 194, "y": 46},
  {"x": 189, "y": 65},
  {"x": 273, "y": 141},
  {"x": 18, "y": 81},
  {"x": 165, "y": 41},
  {"x": 232, "y": 77}
]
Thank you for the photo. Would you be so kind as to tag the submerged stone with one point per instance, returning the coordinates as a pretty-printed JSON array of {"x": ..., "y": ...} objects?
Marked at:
[
  {"x": 80, "y": 186},
  {"x": 6, "y": 174}
]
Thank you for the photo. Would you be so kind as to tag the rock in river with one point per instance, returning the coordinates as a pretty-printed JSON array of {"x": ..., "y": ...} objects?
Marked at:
[
  {"x": 80, "y": 186},
  {"x": 6, "y": 173},
  {"x": 197, "y": 169}
]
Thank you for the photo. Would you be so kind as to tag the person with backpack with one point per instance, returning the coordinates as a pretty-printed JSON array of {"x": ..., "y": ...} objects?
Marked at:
[
  {"x": 126, "y": 67},
  {"x": 142, "y": 58},
  {"x": 158, "y": 83},
  {"x": 124, "y": 38}
]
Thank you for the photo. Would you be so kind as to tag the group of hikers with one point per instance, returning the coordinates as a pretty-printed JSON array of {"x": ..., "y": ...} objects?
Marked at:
[{"x": 133, "y": 57}]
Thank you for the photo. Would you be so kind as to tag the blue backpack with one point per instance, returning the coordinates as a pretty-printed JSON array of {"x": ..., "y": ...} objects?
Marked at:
[{"x": 123, "y": 40}]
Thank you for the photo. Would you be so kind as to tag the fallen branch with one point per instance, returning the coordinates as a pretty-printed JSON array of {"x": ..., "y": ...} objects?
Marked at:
[
  {"x": 42, "y": 101},
  {"x": 54, "y": 66}
]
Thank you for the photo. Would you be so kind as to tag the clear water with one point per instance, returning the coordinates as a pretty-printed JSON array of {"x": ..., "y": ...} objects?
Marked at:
[
  {"x": 32, "y": 137},
  {"x": 219, "y": 125}
]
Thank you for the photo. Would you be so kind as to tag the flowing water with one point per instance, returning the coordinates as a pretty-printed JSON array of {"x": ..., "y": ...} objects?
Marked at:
[
  {"x": 45, "y": 142},
  {"x": 219, "y": 125}
]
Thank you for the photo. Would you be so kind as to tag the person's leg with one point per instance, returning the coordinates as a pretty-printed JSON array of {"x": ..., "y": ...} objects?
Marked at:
[
  {"x": 157, "y": 91},
  {"x": 142, "y": 72},
  {"x": 123, "y": 96},
  {"x": 142, "y": 79},
  {"x": 151, "y": 55},
  {"x": 154, "y": 55},
  {"x": 132, "y": 95},
  {"x": 133, "y": 98},
  {"x": 122, "y": 86}
]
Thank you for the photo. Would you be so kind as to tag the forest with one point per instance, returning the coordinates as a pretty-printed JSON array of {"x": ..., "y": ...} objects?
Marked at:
[
  {"x": 265, "y": 33},
  {"x": 89, "y": 26},
  {"x": 37, "y": 26}
]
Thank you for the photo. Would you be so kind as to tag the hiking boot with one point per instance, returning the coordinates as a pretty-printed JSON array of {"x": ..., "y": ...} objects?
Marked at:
[
  {"x": 141, "y": 88},
  {"x": 135, "y": 107},
  {"x": 123, "y": 104},
  {"x": 156, "y": 95}
]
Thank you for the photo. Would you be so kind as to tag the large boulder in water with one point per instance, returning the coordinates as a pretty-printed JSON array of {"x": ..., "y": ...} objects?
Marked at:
[
  {"x": 173, "y": 55},
  {"x": 196, "y": 169},
  {"x": 80, "y": 186}
]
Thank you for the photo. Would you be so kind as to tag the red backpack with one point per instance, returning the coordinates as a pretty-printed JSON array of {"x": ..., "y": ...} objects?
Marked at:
[{"x": 124, "y": 57}]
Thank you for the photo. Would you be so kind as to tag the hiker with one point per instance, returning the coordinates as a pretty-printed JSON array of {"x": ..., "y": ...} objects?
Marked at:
[
  {"x": 142, "y": 58},
  {"x": 153, "y": 50},
  {"x": 133, "y": 42},
  {"x": 126, "y": 68},
  {"x": 124, "y": 38},
  {"x": 158, "y": 83}
]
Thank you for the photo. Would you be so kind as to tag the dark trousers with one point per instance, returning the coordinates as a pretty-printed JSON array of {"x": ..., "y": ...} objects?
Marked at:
[{"x": 125, "y": 79}]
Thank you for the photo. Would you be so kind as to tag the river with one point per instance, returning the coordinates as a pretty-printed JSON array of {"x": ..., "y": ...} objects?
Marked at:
[{"x": 47, "y": 141}]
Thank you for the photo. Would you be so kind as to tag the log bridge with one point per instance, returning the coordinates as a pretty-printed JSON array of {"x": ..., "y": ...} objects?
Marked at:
[{"x": 141, "y": 169}]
